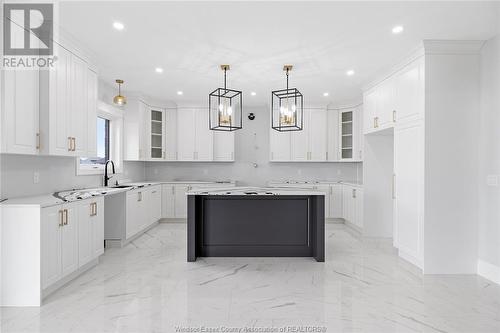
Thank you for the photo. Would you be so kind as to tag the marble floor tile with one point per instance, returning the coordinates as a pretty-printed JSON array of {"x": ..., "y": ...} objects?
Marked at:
[{"x": 363, "y": 286}]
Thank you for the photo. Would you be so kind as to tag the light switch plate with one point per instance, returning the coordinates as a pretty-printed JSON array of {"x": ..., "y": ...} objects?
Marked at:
[
  {"x": 36, "y": 177},
  {"x": 492, "y": 180}
]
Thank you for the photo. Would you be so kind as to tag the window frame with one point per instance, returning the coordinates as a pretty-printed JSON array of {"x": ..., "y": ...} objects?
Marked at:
[{"x": 115, "y": 117}]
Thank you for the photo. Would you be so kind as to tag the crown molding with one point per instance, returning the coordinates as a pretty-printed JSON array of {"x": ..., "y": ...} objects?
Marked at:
[{"x": 452, "y": 47}]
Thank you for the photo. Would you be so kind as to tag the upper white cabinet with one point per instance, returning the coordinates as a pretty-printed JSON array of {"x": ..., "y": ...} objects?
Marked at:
[
  {"x": 156, "y": 120},
  {"x": 307, "y": 145},
  {"x": 223, "y": 146},
  {"x": 68, "y": 97},
  {"x": 398, "y": 98},
  {"x": 20, "y": 112},
  {"x": 134, "y": 126},
  {"x": 194, "y": 138}
]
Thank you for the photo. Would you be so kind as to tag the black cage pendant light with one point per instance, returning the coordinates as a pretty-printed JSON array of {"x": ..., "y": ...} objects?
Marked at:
[
  {"x": 224, "y": 107},
  {"x": 287, "y": 107}
]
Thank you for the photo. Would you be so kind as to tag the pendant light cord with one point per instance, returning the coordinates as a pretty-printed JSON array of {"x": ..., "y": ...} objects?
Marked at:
[
  {"x": 225, "y": 70},
  {"x": 287, "y": 80}
]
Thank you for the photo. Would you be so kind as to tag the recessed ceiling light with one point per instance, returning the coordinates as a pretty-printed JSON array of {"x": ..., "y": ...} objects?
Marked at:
[
  {"x": 350, "y": 72},
  {"x": 325, "y": 94},
  {"x": 118, "y": 25},
  {"x": 397, "y": 29},
  {"x": 179, "y": 93},
  {"x": 253, "y": 93},
  {"x": 159, "y": 70}
]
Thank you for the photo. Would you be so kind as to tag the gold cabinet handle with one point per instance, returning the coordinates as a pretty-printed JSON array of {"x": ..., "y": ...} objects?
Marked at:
[
  {"x": 70, "y": 144},
  {"x": 74, "y": 143},
  {"x": 65, "y": 212},
  {"x": 61, "y": 217},
  {"x": 393, "y": 116},
  {"x": 139, "y": 196},
  {"x": 38, "y": 141}
]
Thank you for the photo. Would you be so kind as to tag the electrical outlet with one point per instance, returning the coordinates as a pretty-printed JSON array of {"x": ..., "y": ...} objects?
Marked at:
[
  {"x": 36, "y": 177},
  {"x": 492, "y": 180}
]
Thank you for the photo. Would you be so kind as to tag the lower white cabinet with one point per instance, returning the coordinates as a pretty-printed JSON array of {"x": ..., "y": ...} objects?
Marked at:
[
  {"x": 352, "y": 205},
  {"x": 143, "y": 208},
  {"x": 72, "y": 235},
  {"x": 335, "y": 199},
  {"x": 90, "y": 230}
]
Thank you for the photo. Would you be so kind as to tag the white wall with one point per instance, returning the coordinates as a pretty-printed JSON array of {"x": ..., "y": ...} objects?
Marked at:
[
  {"x": 489, "y": 154},
  {"x": 56, "y": 173},
  {"x": 252, "y": 146}
]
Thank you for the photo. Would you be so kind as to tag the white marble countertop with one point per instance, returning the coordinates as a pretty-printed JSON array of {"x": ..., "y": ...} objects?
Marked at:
[
  {"x": 255, "y": 191},
  {"x": 51, "y": 199},
  {"x": 276, "y": 183}
]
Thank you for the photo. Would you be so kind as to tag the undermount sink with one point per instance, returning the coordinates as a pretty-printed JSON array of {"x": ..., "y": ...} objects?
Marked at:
[{"x": 121, "y": 186}]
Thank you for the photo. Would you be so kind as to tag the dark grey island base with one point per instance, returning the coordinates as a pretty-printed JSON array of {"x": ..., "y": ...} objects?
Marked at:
[{"x": 256, "y": 226}]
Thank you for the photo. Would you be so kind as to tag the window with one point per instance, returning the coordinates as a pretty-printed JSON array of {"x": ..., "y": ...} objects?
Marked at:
[
  {"x": 102, "y": 146},
  {"x": 108, "y": 140}
]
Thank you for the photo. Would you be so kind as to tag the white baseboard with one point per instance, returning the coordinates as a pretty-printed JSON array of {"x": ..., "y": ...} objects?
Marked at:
[{"x": 488, "y": 271}]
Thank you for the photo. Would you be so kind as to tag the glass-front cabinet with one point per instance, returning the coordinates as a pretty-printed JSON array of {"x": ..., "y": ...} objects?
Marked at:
[
  {"x": 157, "y": 139},
  {"x": 346, "y": 134}
]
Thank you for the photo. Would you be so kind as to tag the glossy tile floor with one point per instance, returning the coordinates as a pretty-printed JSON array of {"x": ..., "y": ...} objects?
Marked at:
[{"x": 149, "y": 287}]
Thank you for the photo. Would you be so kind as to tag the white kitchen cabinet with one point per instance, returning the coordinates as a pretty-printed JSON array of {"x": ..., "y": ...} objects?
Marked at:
[
  {"x": 171, "y": 134},
  {"x": 335, "y": 201},
  {"x": 134, "y": 126},
  {"x": 310, "y": 144},
  {"x": 20, "y": 112},
  {"x": 386, "y": 105},
  {"x": 65, "y": 96},
  {"x": 156, "y": 128},
  {"x": 203, "y": 136},
  {"x": 333, "y": 135},
  {"x": 352, "y": 205},
  {"x": 155, "y": 204},
  {"x": 51, "y": 224},
  {"x": 90, "y": 230},
  {"x": 370, "y": 99},
  {"x": 408, "y": 188},
  {"x": 92, "y": 86},
  {"x": 194, "y": 138},
  {"x": 410, "y": 92},
  {"x": 69, "y": 239},
  {"x": 137, "y": 213},
  {"x": 168, "y": 201},
  {"x": 280, "y": 146},
  {"x": 223, "y": 146}
]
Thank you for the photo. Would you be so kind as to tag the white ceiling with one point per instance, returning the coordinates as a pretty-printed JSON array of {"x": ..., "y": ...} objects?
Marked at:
[{"x": 189, "y": 40}]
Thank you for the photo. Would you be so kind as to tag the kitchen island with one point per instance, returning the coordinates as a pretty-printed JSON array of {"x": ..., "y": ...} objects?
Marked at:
[{"x": 256, "y": 222}]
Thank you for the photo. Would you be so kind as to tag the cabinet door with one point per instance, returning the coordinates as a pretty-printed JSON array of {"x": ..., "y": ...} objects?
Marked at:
[
  {"x": 347, "y": 202},
  {"x": 58, "y": 113},
  {"x": 20, "y": 110},
  {"x": 346, "y": 134},
  {"x": 143, "y": 119},
  {"x": 333, "y": 135},
  {"x": 336, "y": 201},
  {"x": 131, "y": 124},
  {"x": 91, "y": 113},
  {"x": 181, "y": 201},
  {"x": 408, "y": 163},
  {"x": 203, "y": 136},
  {"x": 370, "y": 110},
  {"x": 168, "y": 201},
  {"x": 410, "y": 92},
  {"x": 156, "y": 130},
  {"x": 131, "y": 214},
  {"x": 155, "y": 204},
  {"x": 279, "y": 146},
  {"x": 79, "y": 105},
  {"x": 386, "y": 104},
  {"x": 223, "y": 146},
  {"x": 317, "y": 135},
  {"x": 185, "y": 135},
  {"x": 299, "y": 140},
  {"x": 144, "y": 209},
  {"x": 51, "y": 245},
  {"x": 358, "y": 133},
  {"x": 85, "y": 250},
  {"x": 69, "y": 239},
  {"x": 97, "y": 222},
  {"x": 171, "y": 135}
]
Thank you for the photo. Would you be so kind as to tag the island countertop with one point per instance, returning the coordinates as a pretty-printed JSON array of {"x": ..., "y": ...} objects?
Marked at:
[{"x": 252, "y": 191}]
